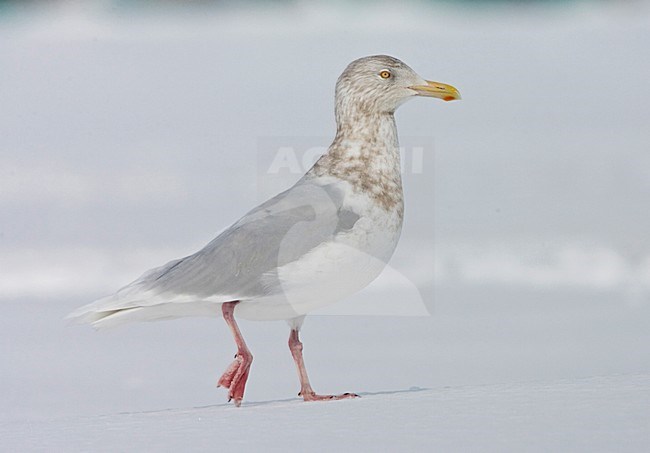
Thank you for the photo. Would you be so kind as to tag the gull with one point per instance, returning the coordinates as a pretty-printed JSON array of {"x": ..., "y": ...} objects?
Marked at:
[{"x": 323, "y": 239}]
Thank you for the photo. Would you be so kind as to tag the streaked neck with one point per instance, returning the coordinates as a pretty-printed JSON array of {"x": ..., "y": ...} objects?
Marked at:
[{"x": 365, "y": 153}]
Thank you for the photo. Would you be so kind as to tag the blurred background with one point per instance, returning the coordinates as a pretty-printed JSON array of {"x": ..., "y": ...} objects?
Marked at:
[{"x": 131, "y": 132}]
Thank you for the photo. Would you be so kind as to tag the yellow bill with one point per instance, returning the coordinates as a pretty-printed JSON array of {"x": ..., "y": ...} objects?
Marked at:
[{"x": 437, "y": 90}]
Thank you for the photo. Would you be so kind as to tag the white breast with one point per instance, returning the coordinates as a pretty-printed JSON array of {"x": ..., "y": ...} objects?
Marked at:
[{"x": 335, "y": 269}]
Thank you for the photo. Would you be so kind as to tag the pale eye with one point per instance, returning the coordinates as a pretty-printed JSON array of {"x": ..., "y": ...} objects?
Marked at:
[{"x": 385, "y": 74}]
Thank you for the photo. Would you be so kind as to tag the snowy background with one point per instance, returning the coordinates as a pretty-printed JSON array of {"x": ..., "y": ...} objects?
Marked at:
[{"x": 130, "y": 136}]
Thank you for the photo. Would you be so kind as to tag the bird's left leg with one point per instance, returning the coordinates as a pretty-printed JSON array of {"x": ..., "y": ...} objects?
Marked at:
[{"x": 235, "y": 377}]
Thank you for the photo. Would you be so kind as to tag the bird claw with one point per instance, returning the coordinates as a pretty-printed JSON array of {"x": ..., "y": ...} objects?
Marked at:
[
  {"x": 235, "y": 377},
  {"x": 311, "y": 396}
]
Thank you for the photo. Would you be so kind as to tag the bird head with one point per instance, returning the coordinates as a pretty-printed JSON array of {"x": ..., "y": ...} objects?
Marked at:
[{"x": 380, "y": 84}]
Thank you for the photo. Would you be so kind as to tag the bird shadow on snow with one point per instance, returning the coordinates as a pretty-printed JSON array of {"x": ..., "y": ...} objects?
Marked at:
[
  {"x": 394, "y": 392},
  {"x": 279, "y": 402},
  {"x": 292, "y": 400}
]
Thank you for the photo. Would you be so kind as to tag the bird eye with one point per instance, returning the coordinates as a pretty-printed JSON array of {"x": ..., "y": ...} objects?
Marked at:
[{"x": 384, "y": 74}]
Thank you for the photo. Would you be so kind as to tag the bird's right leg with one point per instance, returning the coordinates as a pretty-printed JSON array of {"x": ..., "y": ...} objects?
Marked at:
[
  {"x": 307, "y": 393},
  {"x": 235, "y": 377}
]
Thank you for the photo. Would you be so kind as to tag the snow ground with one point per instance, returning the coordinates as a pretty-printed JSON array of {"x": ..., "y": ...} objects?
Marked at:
[
  {"x": 610, "y": 413},
  {"x": 123, "y": 140},
  {"x": 488, "y": 375}
]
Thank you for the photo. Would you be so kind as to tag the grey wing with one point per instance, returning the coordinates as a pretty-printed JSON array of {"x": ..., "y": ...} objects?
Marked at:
[{"x": 241, "y": 263}]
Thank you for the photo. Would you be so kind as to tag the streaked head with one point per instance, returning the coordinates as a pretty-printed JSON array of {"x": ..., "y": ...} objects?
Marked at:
[{"x": 380, "y": 84}]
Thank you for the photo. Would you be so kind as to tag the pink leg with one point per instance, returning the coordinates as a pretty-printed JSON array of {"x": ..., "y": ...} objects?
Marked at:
[
  {"x": 306, "y": 391},
  {"x": 235, "y": 377}
]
